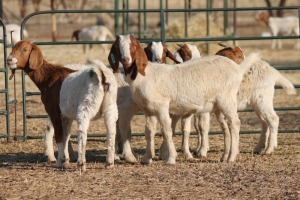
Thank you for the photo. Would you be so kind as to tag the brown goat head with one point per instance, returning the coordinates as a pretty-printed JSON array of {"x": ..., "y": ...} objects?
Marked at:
[
  {"x": 25, "y": 54},
  {"x": 234, "y": 53},
  {"x": 184, "y": 52},
  {"x": 127, "y": 50}
]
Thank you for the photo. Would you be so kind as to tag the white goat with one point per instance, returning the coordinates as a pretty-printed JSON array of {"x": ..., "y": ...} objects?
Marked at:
[
  {"x": 92, "y": 33},
  {"x": 71, "y": 95},
  {"x": 184, "y": 89},
  {"x": 256, "y": 91},
  {"x": 16, "y": 36},
  {"x": 280, "y": 26}
]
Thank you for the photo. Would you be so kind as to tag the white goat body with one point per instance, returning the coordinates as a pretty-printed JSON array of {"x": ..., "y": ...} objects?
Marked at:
[
  {"x": 94, "y": 33},
  {"x": 280, "y": 26},
  {"x": 160, "y": 90}
]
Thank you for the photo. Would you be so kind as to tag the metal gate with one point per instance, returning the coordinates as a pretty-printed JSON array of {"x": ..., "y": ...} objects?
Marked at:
[{"x": 163, "y": 13}]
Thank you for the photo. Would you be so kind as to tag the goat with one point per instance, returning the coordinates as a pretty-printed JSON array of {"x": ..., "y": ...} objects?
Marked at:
[
  {"x": 69, "y": 94},
  {"x": 158, "y": 52},
  {"x": 284, "y": 26},
  {"x": 256, "y": 90},
  {"x": 92, "y": 33},
  {"x": 160, "y": 90},
  {"x": 16, "y": 36},
  {"x": 187, "y": 52}
]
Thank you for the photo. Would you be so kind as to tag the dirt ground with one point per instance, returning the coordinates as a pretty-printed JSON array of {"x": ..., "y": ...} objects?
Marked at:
[{"x": 25, "y": 173}]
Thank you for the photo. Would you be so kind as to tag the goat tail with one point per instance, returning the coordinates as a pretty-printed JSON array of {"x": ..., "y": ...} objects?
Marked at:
[
  {"x": 287, "y": 85},
  {"x": 249, "y": 61},
  {"x": 106, "y": 74}
]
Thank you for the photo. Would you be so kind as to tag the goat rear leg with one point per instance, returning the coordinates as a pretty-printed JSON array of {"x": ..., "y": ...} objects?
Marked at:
[
  {"x": 150, "y": 131},
  {"x": 110, "y": 119},
  {"x": 263, "y": 138},
  {"x": 273, "y": 122},
  {"x": 83, "y": 125},
  {"x": 226, "y": 132}
]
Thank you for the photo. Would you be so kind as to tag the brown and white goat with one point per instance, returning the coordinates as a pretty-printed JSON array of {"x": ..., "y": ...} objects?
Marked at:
[
  {"x": 158, "y": 52},
  {"x": 69, "y": 95},
  {"x": 160, "y": 90},
  {"x": 280, "y": 26}
]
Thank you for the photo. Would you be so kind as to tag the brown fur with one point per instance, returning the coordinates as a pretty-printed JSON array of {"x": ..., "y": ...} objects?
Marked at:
[
  {"x": 138, "y": 55},
  {"x": 184, "y": 52},
  {"x": 75, "y": 35},
  {"x": 262, "y": 16},
  {"x": 234, "y": 53},
  {"x": 46, "y": 76}
]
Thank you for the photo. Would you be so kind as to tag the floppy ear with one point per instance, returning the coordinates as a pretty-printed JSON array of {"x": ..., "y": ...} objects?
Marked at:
[
  {"x": 113, "y": 58},
  {"x": 35, "y": 57},
  {"x": 172, "y": 57},
  {"x": 148, "y": 51},
  {"x": 141, "y": 60}
]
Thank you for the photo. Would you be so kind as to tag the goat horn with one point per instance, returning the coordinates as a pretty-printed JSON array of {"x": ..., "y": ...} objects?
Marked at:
[
  {"x": 180, "y": 45},
  {"x": 226, "y": 46}
]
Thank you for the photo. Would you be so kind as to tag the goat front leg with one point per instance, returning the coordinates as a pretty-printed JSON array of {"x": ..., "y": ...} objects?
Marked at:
[
  {"x": 150, "y": 131},
  {"x": 163, "y": 150},
  {"x": 125, "y": 118},
  {"x": 48, "y": 141},
  {"x": 63, "y": 159},
  {"x": 165, "y": 121},
  {"x": 186, "y": 129}
]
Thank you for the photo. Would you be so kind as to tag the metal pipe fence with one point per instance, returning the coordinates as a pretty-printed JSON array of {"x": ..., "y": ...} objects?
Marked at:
[{"x": 162, "y": 13}]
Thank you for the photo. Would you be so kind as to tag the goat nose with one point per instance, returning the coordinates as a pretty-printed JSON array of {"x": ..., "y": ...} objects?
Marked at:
[{"x": 158, "y": 60}]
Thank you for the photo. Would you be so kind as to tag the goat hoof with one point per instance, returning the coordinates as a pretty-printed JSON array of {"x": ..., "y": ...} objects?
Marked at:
[
  {"x": 51, "y": 159},
  {"x": 188, "y": 156},
  {"x": 146, "y": 161},
  {"x": 130, "y": 159},
  {"x": 269, "y": 150},
  {"x": 81, "y": 166},
  {"x": 171, "y": 161},
  {"x": 109, "y": 165}
]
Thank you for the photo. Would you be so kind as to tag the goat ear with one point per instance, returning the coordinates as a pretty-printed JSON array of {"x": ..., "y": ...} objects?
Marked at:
[
  {"x": 35, "y": 57},
  {"x": 113, "y": 58},
  {"x": 172, "y": 57},
  {"x": 148, "y": 51},
  {"x": 141, "y": 60}
]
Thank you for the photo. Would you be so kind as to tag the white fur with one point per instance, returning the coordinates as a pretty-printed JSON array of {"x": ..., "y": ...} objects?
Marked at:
[
  {"x": 160, "y": 94},
  {"x": 157, "y": 51},
  {"x": 283, "y": 26},
  {"x": 256, "y": 91},
  {"x": 94, "y": 33}
]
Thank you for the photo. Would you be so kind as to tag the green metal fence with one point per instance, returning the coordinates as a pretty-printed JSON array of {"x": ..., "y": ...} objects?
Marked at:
[
  {"x": 163, "y": 13},
  {"x": 4, "y": 110}
]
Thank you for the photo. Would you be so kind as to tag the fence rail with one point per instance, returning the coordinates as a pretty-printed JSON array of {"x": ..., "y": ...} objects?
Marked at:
[{"x": 162, "y": 12}]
